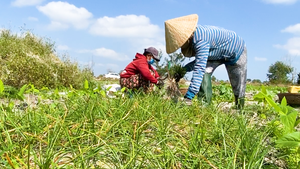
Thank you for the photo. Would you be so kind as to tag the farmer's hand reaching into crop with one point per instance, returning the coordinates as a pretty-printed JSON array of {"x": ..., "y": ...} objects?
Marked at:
[
  {"x": 177, "y": 77},
  {"x": 160, "y": 83}
]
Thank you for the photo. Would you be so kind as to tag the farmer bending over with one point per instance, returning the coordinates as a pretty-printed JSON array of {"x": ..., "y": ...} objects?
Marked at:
[
  {"x": 139, "y": 73},
  {"x": 211, "y": 46}
]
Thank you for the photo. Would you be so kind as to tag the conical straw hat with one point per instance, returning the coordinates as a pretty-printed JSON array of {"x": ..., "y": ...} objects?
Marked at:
[{"x": 178, "y": 31}]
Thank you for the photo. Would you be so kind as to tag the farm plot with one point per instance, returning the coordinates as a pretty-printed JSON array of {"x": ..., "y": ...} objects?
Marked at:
[{"x": 86, "y": 129}]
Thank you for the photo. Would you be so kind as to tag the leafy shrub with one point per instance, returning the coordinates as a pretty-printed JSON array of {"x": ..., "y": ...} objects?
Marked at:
[
  {"x": 177, "y": 69},
  {"x": 171, "y": 65},
  {"x": 28, "y": 59},
  {"x": 222, "y": 92}
]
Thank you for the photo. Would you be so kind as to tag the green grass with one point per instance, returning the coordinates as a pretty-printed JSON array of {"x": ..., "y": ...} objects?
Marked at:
[{"x": 84, "y": 129}]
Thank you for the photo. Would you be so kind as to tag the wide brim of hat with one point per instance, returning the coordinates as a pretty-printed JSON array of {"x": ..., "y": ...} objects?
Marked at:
[{"x": 178, "y": 31}]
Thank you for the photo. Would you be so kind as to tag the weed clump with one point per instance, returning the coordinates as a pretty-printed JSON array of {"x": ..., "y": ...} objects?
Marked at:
[
  {"x": 172, "y": 87},
  {"x": 28, "y": 59}
]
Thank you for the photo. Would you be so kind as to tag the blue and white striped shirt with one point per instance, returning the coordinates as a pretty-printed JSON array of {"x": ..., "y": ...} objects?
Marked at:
[{"x": 213, "y": 43}]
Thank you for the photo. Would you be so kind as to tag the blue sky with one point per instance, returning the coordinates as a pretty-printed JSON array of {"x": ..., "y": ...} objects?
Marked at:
[{"x": 106, "y": 35}]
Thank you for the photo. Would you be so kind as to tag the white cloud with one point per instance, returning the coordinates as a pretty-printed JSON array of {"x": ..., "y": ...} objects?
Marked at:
[
  {"x": 260, "y": 59},
  {"x": 21, "y": 3},
  {"x": 86, "y": 64},
  {"x": 58, "y": 25},
  {"x": 125, "y": 26},
  {"x": 99, "y": 64},
  {"x": 148, "y": 42},
  {"x": 64, "y": 15},
  {"x": 108, "y": 67},
  {"x": 295, "y": 29},
  {"x": 63, "y": 47},
  {"x": 107, "y": 53},
  {"x": 112, "y": 66},
  {"x": 280, "y": 1},
  {"x": 292, "y": 46},
  {"x": 32, "y": 19}
]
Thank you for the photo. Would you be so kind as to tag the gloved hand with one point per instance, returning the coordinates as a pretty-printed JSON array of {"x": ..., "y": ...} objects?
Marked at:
[
  {"x": 160, "y": 83},
  {"x": 177, "y": 77}
]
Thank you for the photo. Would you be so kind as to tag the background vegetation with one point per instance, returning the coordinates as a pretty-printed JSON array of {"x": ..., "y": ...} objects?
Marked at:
[
  {"x": 28, "y": 59},
  {"x": 278, "y": 73}
]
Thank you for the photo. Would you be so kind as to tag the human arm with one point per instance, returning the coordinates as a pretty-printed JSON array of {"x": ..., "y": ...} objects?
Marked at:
[
  {"x": 143, "y": 68},
  {"x": 202, "y": 50},
  {"x": 190, "y": 66},
  {"x": 156, "y": 75}
]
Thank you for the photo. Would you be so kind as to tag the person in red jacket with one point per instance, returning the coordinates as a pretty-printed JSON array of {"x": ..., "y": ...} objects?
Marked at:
[{"x": 139, "y": 73}]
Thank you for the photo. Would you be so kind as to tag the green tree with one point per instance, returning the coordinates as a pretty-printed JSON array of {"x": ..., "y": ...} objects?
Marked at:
[
  {"x": 172, "y": 60},
  {"x": 298, "y": 81},
  {"x": 161, "y": 65},
  {"x": 278, "y": 73},
  {"x": 256, "y": 81},
  {"x": 213, "y": 78}
]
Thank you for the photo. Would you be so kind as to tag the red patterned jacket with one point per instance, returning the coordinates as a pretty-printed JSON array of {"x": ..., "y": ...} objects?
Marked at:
[{"x": 139, "y": 65}]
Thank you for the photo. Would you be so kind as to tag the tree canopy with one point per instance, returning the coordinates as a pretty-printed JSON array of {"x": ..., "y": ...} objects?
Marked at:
[{"x": 278, "y": 73}]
